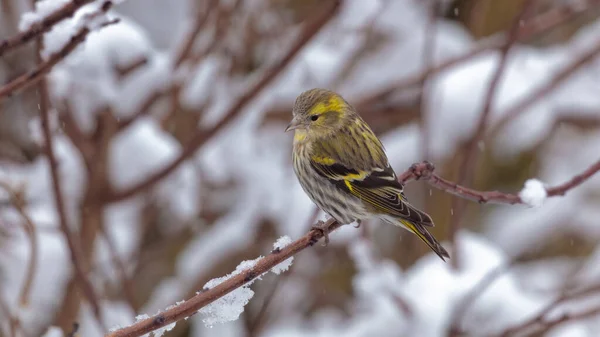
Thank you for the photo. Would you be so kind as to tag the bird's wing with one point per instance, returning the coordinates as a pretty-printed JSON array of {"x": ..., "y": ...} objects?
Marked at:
[{"x": 378, "y": 187}]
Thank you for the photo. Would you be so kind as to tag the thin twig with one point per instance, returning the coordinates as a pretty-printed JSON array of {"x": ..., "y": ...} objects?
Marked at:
[
  {"x": 513, "y": 112},
  {"x": 467, "y": 301},
  {"x": 38, "y": 28},
  {"x": 201, "y": 20},
  {"x": 126, "y": 284},
  {"x": 200, "y": 138},
  {"x": 13, "y": 321},
  {"x": 469, "y": 160},
  {"x": 18, "y": 201},
  {"x": 424, "y": 171},
  {"x": 34, "y": 76},
  {"x": 74, "y": 249},
  {"x": 540, "y": 320},
  {"x": 191, "y": 306},
  {"x": 532, "y": 28}
]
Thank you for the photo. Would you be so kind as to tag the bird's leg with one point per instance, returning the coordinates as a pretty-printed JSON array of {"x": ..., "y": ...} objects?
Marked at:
[
  {"x": 358, "y": 223},
  {"x": 322, "y": 227}
]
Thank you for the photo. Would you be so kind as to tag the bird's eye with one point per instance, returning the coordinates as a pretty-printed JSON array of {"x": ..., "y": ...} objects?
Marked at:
[{"x": 314, "y": 117}]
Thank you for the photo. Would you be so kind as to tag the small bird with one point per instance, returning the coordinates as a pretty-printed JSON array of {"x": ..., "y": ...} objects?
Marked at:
[{"x": 343, "y": 168}]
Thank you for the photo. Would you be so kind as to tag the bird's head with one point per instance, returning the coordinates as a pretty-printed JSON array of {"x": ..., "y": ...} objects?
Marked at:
[{"x": 318, "y": 113}]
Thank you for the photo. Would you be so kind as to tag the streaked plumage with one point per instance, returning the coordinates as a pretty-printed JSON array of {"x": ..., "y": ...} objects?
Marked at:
[{"x": 343, "y": 168}]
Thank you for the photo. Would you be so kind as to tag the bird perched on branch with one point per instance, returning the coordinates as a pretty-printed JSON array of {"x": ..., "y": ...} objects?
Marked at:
[{"x": 343, "y": 168}]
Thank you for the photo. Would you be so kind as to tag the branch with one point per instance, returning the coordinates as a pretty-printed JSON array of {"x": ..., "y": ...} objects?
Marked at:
[
  {"x": 34, "y": 76},
  {"x": 191, "y": 306},
  {"x": 200, "y": 138},
  {"x": 469, "y": 159},
  {"x": 532, "y": 28},
  {"x": 542, "y": 322},
  {"x": 424, "y": 171},
  {"x": 38, "y": 28},
  {"x": 18, "y": 201},
  {"x": 419, "y": 171},
  {"x": 563, "y": 74},
  {"x": 467, "y": 301},
  {"x": 74, "y": 249},
  {"x": 201, "y": 20}
]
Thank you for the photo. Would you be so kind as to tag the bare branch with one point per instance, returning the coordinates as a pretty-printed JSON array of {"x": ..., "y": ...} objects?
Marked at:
[
  {"x": 469, "y": 159},
  {"x": 542, "y": 322},
  {"x": 467, "y": 301},
  {"x": 425, "y": 169},
  {"x": 535, "y": 27},
  {"x": 18, "y": 201},
  {"x": 74, "y": 249},
  {"x": 558, "y": 79},
  {"x": 201, "y": 20}
]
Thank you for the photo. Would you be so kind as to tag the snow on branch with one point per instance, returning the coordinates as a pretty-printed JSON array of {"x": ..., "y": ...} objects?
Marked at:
[
  {"x": 38, "y": 27},
  {"x": 223, "y": 299},
  {"x": 309, "y": 31},
  {"x": 279, "y": 258},
  {"x": 35, "y": 75}
]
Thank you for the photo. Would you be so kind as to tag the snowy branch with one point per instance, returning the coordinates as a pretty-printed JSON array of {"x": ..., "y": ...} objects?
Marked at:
[
  {"x": 309, "y": 31},
  {"x": 204, "y": 298},
  {"x": 419, "y": 171},
  {"x": 543, "y": 320},
  {"x": 469, "y": 158},
  {"x": 79, "y": 263},
  {"x": 43, "y": 26},
  {"x": 540, "y": 24},
  {"x": 32, "y": 77}
]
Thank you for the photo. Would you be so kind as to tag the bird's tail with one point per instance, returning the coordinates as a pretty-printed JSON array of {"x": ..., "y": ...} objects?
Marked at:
[{"x": 423, "y": 234}]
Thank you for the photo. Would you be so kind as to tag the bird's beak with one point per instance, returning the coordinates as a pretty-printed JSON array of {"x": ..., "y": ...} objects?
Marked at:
[{"x": 294, "y": 124}]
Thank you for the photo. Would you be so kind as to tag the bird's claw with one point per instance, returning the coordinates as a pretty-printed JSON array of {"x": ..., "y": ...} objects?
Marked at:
[{"x": 324, "y": 229}]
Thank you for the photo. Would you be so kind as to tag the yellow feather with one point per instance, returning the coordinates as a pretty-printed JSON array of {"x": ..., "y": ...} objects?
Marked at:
[
  {"x": 333, "y": 103},
  {"x": 299, "y": 135},
  {"x": 323, "y": 160}
]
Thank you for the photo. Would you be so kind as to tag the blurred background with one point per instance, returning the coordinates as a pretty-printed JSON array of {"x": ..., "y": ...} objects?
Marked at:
[{"x": 167, "y": 128}]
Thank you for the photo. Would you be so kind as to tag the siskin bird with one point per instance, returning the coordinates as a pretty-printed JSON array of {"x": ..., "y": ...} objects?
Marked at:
[{"x": 343, "y": 168}]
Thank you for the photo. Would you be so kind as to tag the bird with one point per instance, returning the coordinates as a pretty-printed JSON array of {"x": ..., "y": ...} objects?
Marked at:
[{"x": 343, "y": 168}]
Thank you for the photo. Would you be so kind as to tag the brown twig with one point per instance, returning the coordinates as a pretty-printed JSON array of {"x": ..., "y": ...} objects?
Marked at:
[
  {"x": 18, "y": 201},
  {"x": 467, "y": 301},
  {"x": 76, "y": 135},
  {"x": 191, "y": 306},
  {"x": 520, "y": 107},
  {"x": 34, "y": 76},
  {"x": 200, "y": 138},
  {"x": 126, "y": 283},
  {"x": 74, "y": 249},
  {"x": 540, "y": 320},
  {"x": 256, "y": 325},
  {"x": 424, "y": 171},
  {"x": 38, "y": 28},
  {"x": 185, "y": 54},
  {"x": 13, "y": 321},
  {"x": 469, "y": 160},
  {"x": 537, "y": 26},
  {"x": 201, "y": 20}
]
